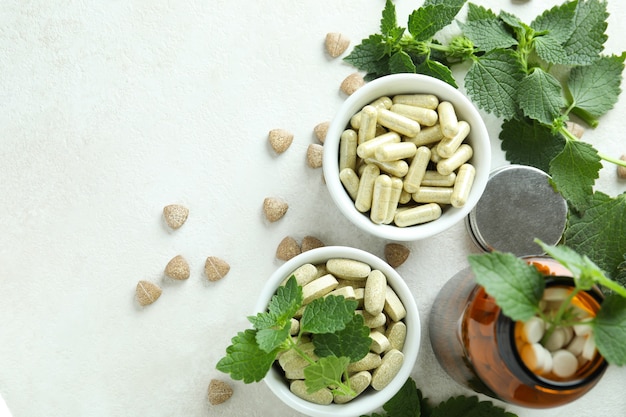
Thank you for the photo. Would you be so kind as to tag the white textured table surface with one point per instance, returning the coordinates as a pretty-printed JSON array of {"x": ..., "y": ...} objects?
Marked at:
[{"x": 112, "y": 110}]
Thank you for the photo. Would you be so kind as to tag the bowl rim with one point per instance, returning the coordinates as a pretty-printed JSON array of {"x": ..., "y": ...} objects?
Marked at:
[
  {"x": 406, "y": 84},
  {"x": 368, "y": 402}
]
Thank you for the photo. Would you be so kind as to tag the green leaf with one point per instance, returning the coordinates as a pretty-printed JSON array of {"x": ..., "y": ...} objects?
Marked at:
[
  {"x": 528, "y": 142},
  {"x": 405, "y": 403},
  {"x": 388, "y": 22},
  {"x": 401, "y": 62},
  {"x": 595, "y": 88},
  {"x": 610, "y": 329},
  {"x": 437, "y": 70},
  {"x": 433, "y": 16},
  {"x": 326, "y": 371},
  {"x": 516, "y": 286},
  {"x": 281, "y": 308},
  {"x": 620, "y": 275},
  {"x": 599, "y": 230},
  {"x": 586, "y": 42},
  {"x": 557, "y": 21},
  {"x": 327, "y": 314},
  {"x": 352, "y": 342},
  {"x": 244, "y": 359},
  {"x": 367, "y": 55},
  {"x": 574, "y": 171},
  {"x": 540, "y": 96},
  {"x": 469, "y": 407},
  {"x": 557, "y": 25},
  {"x": 586, "y": 274},
  {"x": 513, "y": 21},
  {"x": 488, "y": 34},
  {"x": 493, "y": 81},
  {"x": 271, "y": 339},
  {"x": 475, "y": 12}
]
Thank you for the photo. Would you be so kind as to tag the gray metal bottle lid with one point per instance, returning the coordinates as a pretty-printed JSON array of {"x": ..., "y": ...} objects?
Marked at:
[{"x": 518, "y": 205}]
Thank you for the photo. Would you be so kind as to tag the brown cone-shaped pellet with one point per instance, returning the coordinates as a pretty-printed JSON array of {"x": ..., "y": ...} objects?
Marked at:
[
  {"x": 336, "y": 44},
  {"x": 147, "y": 292},
  {"x": 311, "y": 242},
  {"x": 315, "y": 155},
  {"x": 219, "y": 391},
  {"x": 177, "y": 268},
  {"x": 287, "y": 249},
  {"x": 175, "y": 215},
  {"x": 274, "y": 208},
  {"x": 396, "y": 254},
  {"x": 280, "y": 140},
  {"x": 320, "y": 131},
  {"x": 621, "y": 171},
  {"x": 352, "y": 83},
  {"x": 215, "y": 268}
]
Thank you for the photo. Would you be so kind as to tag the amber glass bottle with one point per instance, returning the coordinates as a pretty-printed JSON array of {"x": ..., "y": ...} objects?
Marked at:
[{"x": 476, "y": 344}]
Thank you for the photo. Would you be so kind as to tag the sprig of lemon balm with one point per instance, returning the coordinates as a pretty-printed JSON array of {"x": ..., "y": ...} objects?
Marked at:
[{"x": 535, "y": 77}]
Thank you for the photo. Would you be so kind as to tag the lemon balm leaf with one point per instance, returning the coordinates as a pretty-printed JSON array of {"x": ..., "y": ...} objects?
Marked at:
[
  {"x": 486, "y": 31},
  {"x": 281, "y": 308},
  {"x": 528, "y": 142},
  {"x": 598, "y": 231},
  {"x": 610, "y": 329},
  {"x": 352, "y": 342},
  {"x": 468, "y": 407},
  {"x": 540, "y": 96},
  {"x": 406, "y": 402},
  {"x": 586, "y": 42},
  {"x": 327, "y": 314},
  {"x": 516, "y": 286},
  {"x": 401, "y": 62},
  {"x": 493, "y": 81},
  {"x": 270, "y": 339},
  {"x": 433, "y": 16},
  {"x": 574, "y": 171},
  {"x": 244, "y": 359},
  {"x": 326, "y": 371},
  {"x": 388, "y": 21},
  {"x": 595, "y": 88},
  {"x": 437, "y": 70}
]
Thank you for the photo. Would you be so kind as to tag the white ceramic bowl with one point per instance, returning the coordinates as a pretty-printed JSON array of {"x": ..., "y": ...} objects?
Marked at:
[
  {"x": 369, "y": 400},
  {"x": 407, "y": 84}
]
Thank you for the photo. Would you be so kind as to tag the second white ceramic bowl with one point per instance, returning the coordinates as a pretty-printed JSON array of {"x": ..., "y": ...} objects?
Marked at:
[
  {"x": 407, "y": 84},
  {"x": 369, "y": 400}
]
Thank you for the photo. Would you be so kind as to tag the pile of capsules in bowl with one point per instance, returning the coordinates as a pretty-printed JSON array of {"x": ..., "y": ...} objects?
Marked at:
[
  {"x": 404, "y": 159},
  {"x": 382, "y": 311}
]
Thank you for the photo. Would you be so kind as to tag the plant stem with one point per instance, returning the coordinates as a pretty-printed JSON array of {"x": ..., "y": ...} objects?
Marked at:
[
  {"x": 570, "y": 137},
  {"x": 556, "y": 321},
  {"x": 300, "y": 352}
]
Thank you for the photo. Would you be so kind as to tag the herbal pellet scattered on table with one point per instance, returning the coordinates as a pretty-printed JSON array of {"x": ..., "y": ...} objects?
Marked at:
[
  {"x": 621, "y": 171},
  {"x": 314, "y": 155},
  {"x": 216, "y": 268},
  {"x": 352, "y": 83},
  {"x": 147, "y": 292},
  {"x": 287, "y": 249},
  {"x": 177, "y": 268},
  {"x": 274, "y": 208},
  {"x": 219, "y": 391},
  {"x": 310, "y": 242},
  {"x": 336, "y": 44},
  {"x": 175, "y": 215},
  {"x": 280, "y": 140},
  {"x": 320, "y": 131},
  {"x": 396, "y": 254}
]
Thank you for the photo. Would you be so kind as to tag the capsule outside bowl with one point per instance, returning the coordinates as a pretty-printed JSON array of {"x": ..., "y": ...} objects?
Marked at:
[
  {"x": 367, "y": 401},
  {"x": 407, "y": 84}
]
